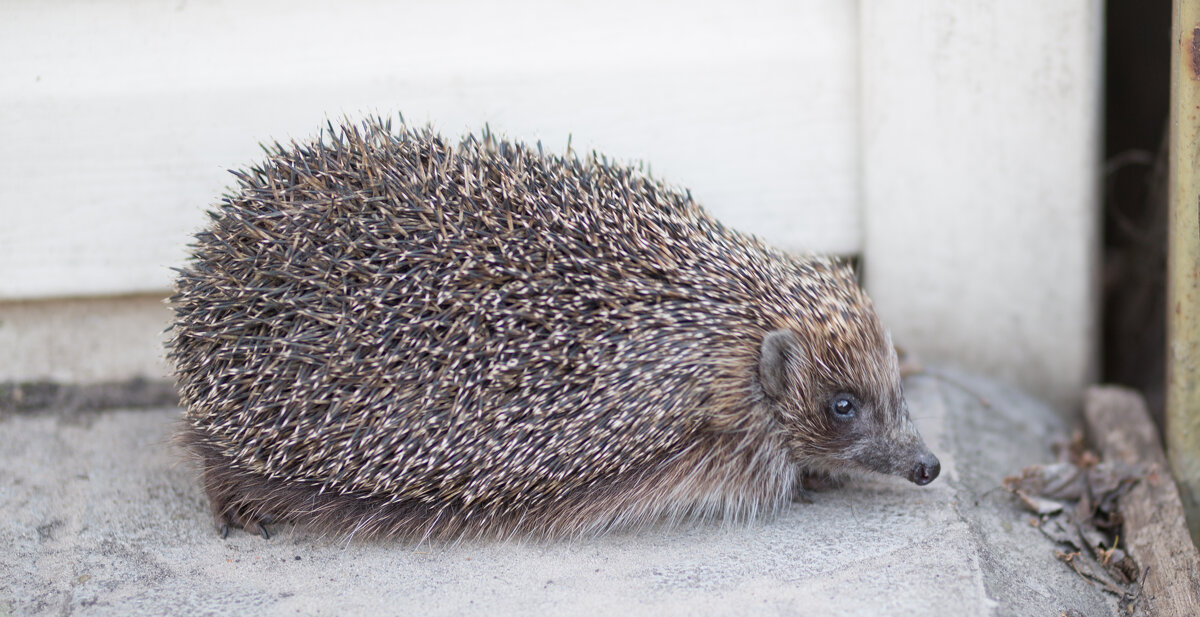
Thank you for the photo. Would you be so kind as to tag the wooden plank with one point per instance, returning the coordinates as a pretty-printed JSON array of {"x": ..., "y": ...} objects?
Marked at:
[
  {"x": 1155, "y": 533},
  {"x": 980, "y": 135},
  {"x": 120, "y": 118}
]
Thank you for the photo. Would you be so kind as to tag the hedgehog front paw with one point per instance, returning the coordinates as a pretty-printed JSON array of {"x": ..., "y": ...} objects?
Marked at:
[{"x": 810, "y": 482}]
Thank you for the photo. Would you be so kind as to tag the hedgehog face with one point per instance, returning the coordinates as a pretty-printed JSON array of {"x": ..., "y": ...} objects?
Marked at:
[{"x": 842, "y": 407}]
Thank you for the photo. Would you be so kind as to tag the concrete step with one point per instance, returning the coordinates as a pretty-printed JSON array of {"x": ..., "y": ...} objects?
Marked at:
[{"x": 100, "y": 516}]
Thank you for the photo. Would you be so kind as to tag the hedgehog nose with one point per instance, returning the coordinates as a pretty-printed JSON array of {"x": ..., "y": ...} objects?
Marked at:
[{"x": 926, "y": 469}]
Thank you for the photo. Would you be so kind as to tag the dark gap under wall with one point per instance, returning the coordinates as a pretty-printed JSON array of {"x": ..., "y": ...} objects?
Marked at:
[
  {"x": 1137, "y": 88},
  {"x": 70, "y": 398}
]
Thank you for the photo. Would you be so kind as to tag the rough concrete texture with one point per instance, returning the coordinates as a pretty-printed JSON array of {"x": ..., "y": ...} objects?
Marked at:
[{"x": 98, "y": 516}]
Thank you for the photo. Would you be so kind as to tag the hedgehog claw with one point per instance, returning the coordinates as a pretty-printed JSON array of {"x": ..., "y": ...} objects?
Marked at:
[
  {"x": 262, "y": 530},
  {"x": 251, "y": 524}
]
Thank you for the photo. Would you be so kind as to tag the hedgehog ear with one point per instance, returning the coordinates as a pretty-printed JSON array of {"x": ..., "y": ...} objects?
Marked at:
[{"x": 780, "y": 358}]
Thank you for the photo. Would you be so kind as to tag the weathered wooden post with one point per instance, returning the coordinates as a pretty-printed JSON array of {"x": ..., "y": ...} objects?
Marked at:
[{"x": 1183, "y": 262}]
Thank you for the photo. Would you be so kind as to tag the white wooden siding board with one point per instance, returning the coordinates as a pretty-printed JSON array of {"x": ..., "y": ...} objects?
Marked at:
[
  {"x": 120, "y": 119},
  {"x": 980, "y": 142}
]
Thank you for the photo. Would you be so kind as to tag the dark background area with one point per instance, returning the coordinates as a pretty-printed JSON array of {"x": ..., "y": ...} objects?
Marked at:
[{"x": 1137, "y": 87}]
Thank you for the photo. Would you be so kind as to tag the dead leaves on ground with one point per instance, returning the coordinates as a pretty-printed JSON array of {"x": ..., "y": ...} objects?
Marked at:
[{"x": 1075, "y": 503}]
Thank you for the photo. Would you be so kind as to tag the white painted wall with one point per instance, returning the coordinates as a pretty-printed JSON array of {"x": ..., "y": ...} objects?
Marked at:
[
  {"x": 951, "y": 144},
  {"x": 980, "y": 148},
  {"x": 121, "y": 118}
]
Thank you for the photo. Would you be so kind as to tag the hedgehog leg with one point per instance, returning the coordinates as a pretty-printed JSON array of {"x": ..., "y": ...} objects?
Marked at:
[
  {"x": 230, "y": 491},
  {"x": 228, "y": 512}
]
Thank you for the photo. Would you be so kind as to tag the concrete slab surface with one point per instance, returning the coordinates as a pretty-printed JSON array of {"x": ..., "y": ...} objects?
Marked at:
[{"x": 99, "y": 516}]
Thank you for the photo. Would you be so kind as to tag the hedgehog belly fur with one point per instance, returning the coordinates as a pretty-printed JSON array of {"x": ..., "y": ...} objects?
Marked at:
[{"x": 723, "y": 478}]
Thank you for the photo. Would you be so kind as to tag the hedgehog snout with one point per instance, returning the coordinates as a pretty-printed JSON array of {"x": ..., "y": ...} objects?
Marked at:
[{"x": 925, "y": 470}]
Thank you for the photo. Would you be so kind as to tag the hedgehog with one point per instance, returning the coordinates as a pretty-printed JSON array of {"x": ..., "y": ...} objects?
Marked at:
[{"x": 386, "y": 334}]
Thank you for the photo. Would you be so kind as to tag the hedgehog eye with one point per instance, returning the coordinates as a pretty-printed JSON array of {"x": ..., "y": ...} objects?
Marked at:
[{"x": 843, "y": 406}]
